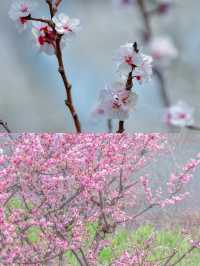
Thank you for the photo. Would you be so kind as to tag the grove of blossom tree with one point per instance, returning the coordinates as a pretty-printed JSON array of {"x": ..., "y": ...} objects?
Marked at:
[{"x": 62, "y": 183}]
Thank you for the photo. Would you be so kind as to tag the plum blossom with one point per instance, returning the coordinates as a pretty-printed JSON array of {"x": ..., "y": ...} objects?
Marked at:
[
  {"x": 194, "y": 244},
  {"x": 129, "y": 59},
  {"x": 66, "y": 25},
  {"x": 115, "y": 101},
  {"x": 144, "y": 71},
  {"x": 45, "y": 38},
  {"x": 163, "y": 50},
  {"x": 19, "y": 11},
  {"x": 180, "y": 115}
]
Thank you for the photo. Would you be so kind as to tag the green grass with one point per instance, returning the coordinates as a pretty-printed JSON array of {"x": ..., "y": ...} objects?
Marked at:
[{"x": 165, "y": 242}]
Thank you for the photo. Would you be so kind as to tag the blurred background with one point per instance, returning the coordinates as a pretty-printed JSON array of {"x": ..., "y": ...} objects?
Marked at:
[{"x": 32, "y": 94}]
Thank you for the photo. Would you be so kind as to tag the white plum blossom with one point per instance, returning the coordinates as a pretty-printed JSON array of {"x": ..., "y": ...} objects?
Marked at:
[
  {"x": 129, "y": 60},
  {"x": 163, "y": 50},
  {"x": 115, "y": 102},
  {"x": 20, "y": 10},
  {"x": 45, "y": 38},
  {"x": 143, "y": 72},
  {"x": 180, "y": 115},
  {"x": 66, "y": 25}
]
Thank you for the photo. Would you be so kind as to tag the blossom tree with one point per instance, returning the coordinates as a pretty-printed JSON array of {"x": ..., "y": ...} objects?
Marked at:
[{"x": 53, "y": 186}]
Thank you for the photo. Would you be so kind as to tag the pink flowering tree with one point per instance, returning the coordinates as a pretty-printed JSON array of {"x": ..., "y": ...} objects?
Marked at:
[{"x": 53, "y": 186}]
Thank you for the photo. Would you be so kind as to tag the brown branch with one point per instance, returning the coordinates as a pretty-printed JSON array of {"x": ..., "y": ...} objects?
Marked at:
[
  {"x": 84, "y": 257},
  {"x": 146, "y": 17},
  {"x": 183, "y": 256},
  {"x": 5, "y": 126},
  {"x": 68, "y": 86},
  {"x": 110, "y": 126},
  {"x": 196, "y": 128},
  {"x": 51, "y": 10},
  {"x": 77, "y": 257},
  {"x": 102, "y": 210},
  {"x": 57, "y": 3},
  {"x": 121, "y": 128},
  {"x": 43, "y": 20},
  {"x": 161, "y": 80},
  {"x": 66, "y": 202},
  {"x": 170, "y": 258}
]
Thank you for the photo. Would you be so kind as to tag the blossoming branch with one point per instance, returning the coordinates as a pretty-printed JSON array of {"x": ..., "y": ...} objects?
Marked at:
[{"x": 52, "y": 35}]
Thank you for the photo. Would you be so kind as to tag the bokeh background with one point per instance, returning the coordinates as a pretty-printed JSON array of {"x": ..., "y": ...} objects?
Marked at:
[{"x": 32, "y": 94}]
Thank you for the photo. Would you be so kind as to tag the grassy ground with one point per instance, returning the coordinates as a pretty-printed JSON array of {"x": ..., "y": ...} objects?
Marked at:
[{"x": 165, "y": 242}]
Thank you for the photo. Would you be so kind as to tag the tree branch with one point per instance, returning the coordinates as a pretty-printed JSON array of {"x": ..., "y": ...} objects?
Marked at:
[
  {"x": 68, "y": 86},
  {"x": 5, "y": 126}
]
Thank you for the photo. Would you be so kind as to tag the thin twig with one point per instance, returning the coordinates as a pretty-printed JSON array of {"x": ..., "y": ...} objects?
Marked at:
[
  {"x": 110, "y": 126},
  {"x": 43, "y": 20},
  {"x": 77, "y": 257},
  {"x": 146, "y": 17},
  {"x": 5, "y": 126},
  {"x": 84, "y": 257},
  {"x": 183, "y": 256},
  {"x": 169, "y": 258},
  {"x": 161, "y": 80},
  {"x": 68, "y": 86},
  {"x": 49, "y": 3}
]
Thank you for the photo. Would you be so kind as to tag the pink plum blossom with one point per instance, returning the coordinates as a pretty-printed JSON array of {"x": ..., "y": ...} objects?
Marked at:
[
  {"x": 45, "y": 38},
  {"x": 20, "y": 10},
  {"x": 163, "y": 50},
  {"x": 115, "y": 102},
  {"x": 180, "y": 115}
]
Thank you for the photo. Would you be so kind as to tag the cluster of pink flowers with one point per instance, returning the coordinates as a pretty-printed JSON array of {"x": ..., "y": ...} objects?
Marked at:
[
  {"x": 64, "y": 182},
  {"x": 44, "y": 34}
]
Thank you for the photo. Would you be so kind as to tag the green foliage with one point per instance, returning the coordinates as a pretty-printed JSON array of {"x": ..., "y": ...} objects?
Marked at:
[{"x": 33, "y": 234}]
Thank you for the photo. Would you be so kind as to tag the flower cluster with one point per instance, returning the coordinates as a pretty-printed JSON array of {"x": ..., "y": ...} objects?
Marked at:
[
  {"x": 20, "y": 11},
  {"x": 45, "y": 32},
  {"x": 117, "y": 100},
  {"x": 43, "y": 215},
  {"x": 163, "y": 50},
  {"x": 179, "y": 115}
]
